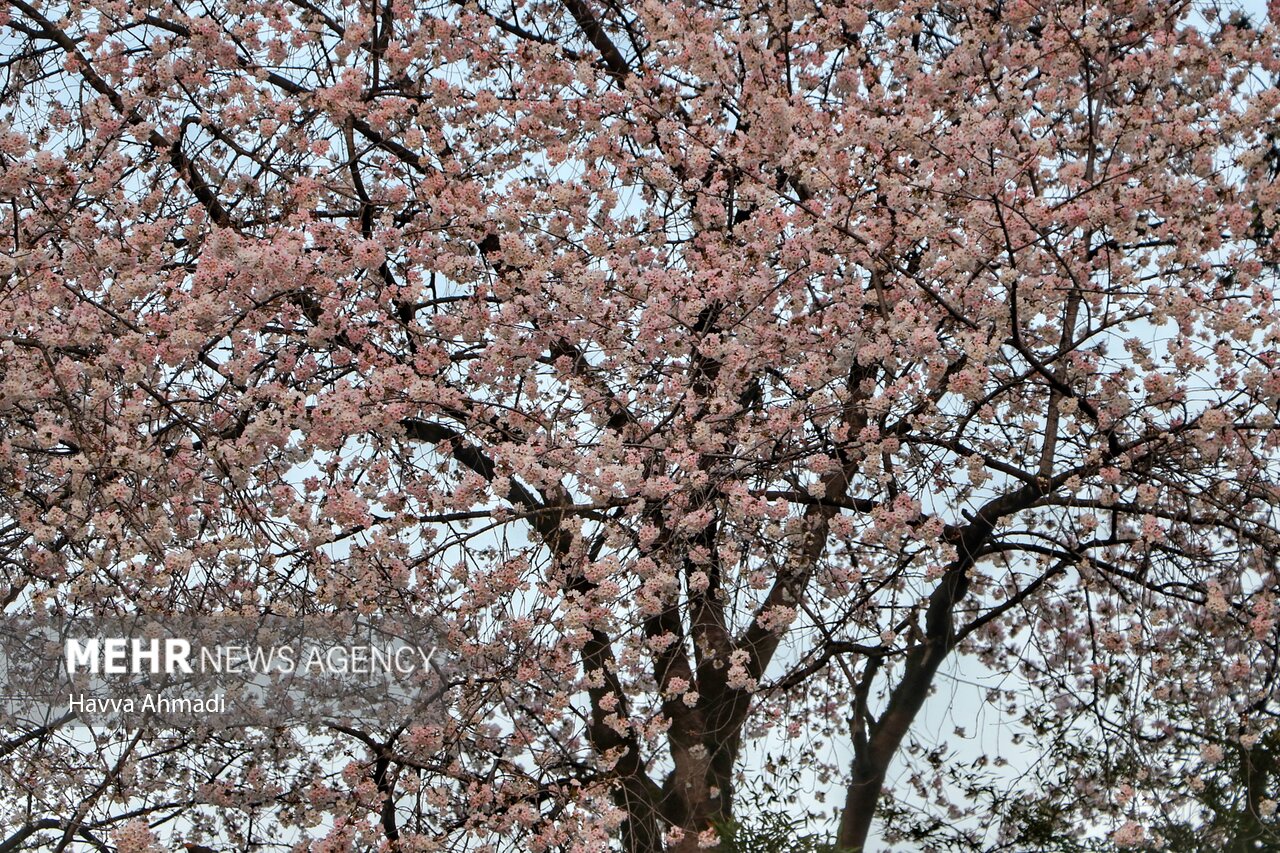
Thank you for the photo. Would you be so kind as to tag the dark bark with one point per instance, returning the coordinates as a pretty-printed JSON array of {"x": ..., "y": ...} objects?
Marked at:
[
  {"x": 877, "y": 741},
  {"x": 872, "y": 757}
]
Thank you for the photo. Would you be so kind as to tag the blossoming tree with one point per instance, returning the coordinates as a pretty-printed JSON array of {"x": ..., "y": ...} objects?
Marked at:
[{"x": 717, "y": 373}]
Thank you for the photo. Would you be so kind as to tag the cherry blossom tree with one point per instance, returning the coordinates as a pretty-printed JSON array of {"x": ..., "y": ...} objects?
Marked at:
[{"x": 718, "y": 373}]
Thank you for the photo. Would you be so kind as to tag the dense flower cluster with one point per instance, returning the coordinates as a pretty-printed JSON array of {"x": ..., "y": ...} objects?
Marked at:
[{"x": 715, "y": 374}]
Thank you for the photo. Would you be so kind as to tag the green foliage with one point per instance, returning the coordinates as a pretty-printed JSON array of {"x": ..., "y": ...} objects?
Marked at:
[{"x": 773, "y": 832}]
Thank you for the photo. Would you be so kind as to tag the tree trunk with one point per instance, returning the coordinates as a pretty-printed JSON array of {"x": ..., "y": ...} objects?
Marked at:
[
  {"x": 860, "y": 801},
  {"x": 873, "y": 754}
]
